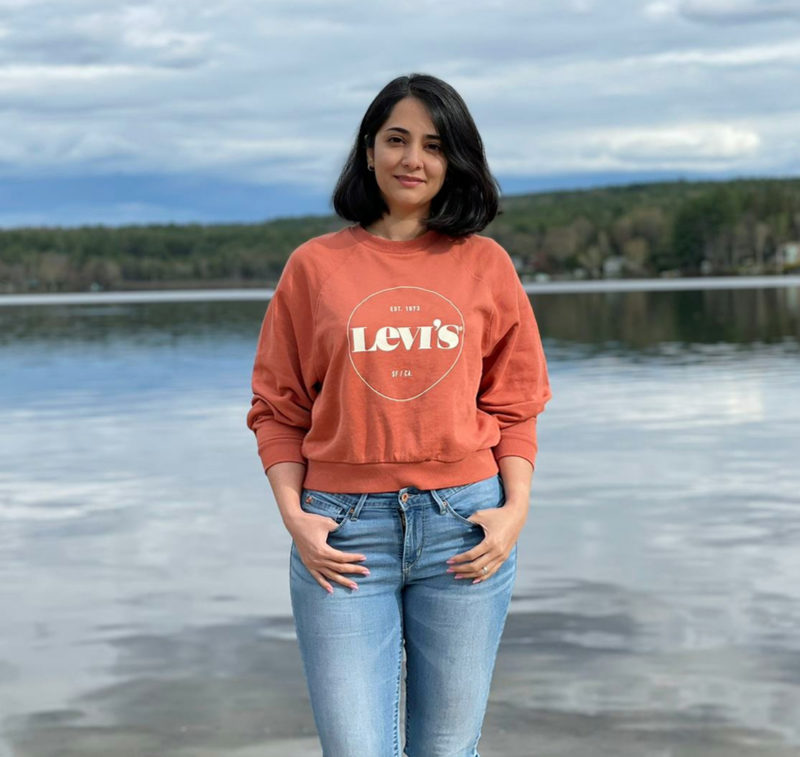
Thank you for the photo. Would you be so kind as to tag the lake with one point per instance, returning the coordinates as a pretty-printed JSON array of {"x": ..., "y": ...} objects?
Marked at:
[{"x": 143, "y": 564}]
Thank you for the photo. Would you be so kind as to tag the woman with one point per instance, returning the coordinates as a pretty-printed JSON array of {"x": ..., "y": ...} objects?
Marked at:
[{"x": 397, "y": 380}]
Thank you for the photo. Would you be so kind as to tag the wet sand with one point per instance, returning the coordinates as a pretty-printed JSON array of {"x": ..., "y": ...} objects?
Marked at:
[{"x": 566, "y": 685}]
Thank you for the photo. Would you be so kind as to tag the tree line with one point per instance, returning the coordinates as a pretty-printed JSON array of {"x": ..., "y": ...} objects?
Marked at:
[{"x": 658, "y": 229}]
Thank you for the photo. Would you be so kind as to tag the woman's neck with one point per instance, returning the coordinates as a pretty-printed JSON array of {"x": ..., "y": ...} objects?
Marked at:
[{"x": 397, "y": 229}]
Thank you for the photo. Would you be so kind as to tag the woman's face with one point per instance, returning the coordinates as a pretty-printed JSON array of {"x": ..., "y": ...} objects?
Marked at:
[{"x": 409, "y": 163}]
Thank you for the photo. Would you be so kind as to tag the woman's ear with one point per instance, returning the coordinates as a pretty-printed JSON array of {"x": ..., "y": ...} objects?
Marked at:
[{"x": 370, "y": 156}]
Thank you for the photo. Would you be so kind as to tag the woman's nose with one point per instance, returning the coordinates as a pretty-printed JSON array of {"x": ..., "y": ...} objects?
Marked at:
[{"x": 411, "y": 156}]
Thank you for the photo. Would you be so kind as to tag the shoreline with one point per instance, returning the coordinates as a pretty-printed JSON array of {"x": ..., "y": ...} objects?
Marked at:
[{"x": 119, "y": 297}]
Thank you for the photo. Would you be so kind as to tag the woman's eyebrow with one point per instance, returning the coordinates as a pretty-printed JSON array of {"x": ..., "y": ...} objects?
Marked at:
[{"x": 406, "y": 131}]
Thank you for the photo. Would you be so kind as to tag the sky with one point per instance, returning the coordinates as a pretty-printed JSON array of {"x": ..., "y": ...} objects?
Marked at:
[{"x": 241, "y": 111}]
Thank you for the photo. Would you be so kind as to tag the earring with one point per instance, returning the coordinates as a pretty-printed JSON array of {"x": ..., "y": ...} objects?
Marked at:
[{"x": 370, "y": 167}]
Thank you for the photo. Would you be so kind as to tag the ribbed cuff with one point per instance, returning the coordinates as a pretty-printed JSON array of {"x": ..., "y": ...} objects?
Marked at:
[
  {"x": 279, "y": 443},
  {"x": 519, "y": 440}
]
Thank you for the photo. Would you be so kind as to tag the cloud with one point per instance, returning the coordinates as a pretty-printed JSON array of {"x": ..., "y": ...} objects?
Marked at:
[
  {"x": 739, "y": 11},
  {"x": 660, "y": 9},
  {"x": 688, "y": 143},
  {"x": 683, "y": 147},
  {"x": 272, "y": 93},
  {"x": 93, "y": 32},
  {"x": 723, "y": 12},
  {"x": 781, "y": 52}
]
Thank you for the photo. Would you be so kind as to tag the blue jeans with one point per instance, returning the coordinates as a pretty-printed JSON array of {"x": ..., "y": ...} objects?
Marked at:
[{"x": 351, "y": 642}]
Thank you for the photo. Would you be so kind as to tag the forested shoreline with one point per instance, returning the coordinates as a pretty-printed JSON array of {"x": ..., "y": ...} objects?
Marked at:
[{"x": 747, "y": 226}]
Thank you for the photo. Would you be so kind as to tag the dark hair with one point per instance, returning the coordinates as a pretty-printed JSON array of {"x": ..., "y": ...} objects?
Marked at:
[{"x": 468, "y": 199}]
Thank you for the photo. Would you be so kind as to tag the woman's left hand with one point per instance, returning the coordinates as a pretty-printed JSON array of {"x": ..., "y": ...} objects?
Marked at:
[{"x": 502, "y": 527}]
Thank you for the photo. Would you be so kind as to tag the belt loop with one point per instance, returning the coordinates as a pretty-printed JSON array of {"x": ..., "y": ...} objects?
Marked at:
[
  {"x": 357, "y": 509},
  {"x": 439, "y": 500}
]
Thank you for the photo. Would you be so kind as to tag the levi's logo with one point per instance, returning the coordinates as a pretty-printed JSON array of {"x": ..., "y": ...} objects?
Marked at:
[
  {"x": 389, "y": 338},
  {"x": 404, "y": 340}
]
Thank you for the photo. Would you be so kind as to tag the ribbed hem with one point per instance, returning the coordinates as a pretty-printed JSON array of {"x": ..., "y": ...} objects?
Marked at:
[{"x": 350, "y": 478}]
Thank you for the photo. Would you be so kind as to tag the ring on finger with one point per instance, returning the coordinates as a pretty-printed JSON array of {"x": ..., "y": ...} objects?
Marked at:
[{"x": 484, "y": 570}]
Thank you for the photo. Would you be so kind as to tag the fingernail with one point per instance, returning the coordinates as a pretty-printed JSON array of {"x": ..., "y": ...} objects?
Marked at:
[
  {"x": 450, "y": 560},
  {"x": 354, "y": 587},
  {"x": 366, "y": 571},
  {"x": 450, "y": 570},
  {"x": 459, "y": 576}
]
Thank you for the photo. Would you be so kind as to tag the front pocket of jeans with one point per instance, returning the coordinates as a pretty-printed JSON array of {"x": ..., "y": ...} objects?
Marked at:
[
  {"x": 468, "y": 500},
  {"x": 327, "y": 504}
]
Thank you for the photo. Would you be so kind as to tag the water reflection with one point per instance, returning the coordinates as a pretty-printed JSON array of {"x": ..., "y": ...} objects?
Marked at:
[
  {"x": 638, "y": 321},
  {"x": 657, "y": 598}
]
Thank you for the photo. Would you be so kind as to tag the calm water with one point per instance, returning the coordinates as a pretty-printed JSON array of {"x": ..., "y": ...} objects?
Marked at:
[{"x": 664, "y": 535}]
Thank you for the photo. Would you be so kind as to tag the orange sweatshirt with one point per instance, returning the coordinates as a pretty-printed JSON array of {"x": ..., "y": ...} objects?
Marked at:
[{"x": 385, "y": 364}]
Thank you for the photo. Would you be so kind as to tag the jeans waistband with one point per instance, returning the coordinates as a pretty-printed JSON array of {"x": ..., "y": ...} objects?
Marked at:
[{"x": 397, "y": 494}]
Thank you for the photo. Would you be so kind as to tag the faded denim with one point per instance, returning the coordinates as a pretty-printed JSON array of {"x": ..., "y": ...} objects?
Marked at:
[{"x": 351, "y": 642}]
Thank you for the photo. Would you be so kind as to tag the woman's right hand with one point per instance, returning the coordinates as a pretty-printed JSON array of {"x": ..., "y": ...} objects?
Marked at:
[{"x": 310, "y": 534}]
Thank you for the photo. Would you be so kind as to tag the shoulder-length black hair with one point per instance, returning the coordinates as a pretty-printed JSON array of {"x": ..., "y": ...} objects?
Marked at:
[{"x": 468, "y": 199}]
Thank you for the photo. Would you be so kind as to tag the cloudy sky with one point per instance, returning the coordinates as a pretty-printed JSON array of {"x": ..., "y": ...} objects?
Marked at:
[{"x": 237, "y": 110}]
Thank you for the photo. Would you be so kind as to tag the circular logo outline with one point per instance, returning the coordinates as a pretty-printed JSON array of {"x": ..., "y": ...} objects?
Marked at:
[{"x": 455, "y": 360}]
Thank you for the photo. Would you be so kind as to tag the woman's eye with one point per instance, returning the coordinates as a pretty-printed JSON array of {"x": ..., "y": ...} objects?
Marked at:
[
  {"x": 435, "y": 147},
  {"x": 394, "y": 139}
]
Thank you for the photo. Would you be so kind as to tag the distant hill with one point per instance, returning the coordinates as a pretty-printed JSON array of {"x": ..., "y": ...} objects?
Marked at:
[{"x": 672, "y": 228}]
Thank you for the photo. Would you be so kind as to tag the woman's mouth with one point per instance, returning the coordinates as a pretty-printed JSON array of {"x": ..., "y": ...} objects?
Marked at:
[{"x": 409, "y": 181}]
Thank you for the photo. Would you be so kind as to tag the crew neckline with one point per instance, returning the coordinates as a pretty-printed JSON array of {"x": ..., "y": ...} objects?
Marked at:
[{"x": 418, "y": 244}]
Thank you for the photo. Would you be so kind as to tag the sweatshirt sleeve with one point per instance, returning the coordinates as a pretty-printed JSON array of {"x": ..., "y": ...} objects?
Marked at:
[
  {"x": 283, "y": 376},
  {"x": 514, "y": 386}
]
